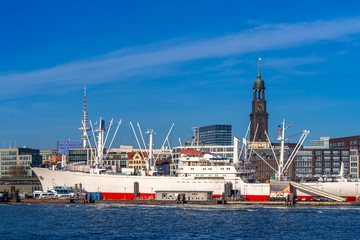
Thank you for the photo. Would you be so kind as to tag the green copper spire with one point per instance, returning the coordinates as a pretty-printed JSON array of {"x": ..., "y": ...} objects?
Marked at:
[{"x": 259, "y": 83}]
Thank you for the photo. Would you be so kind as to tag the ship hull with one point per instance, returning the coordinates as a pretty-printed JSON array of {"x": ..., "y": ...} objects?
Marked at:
[
  {"x": 113, "y": 186},
  {"x": 117, "y": 187},
  {"x": 347, "y": 190}
]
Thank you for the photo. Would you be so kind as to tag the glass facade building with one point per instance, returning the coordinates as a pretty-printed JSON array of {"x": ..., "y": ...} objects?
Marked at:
[
  {"x": 16, "y": 162},
  {"x": 63, "y": 146},
  {"x": 217, "y": 134}
]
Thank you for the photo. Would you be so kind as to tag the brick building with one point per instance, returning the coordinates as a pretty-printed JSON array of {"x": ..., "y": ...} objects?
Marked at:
[
  {"x": 352, "y": 142},
  {"x": 315, "y": 163}
]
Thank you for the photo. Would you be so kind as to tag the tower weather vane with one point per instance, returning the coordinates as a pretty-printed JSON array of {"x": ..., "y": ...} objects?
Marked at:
[{"x": 259, "y": 63}]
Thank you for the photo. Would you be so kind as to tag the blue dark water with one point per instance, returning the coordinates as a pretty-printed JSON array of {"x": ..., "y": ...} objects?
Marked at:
[{"x": 118, "y": 221}]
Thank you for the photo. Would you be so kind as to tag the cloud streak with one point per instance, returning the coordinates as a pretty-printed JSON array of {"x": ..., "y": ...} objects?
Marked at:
[{"x": 121, "y": 65}]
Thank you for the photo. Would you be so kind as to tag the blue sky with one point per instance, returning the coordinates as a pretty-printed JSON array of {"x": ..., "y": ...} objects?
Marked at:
[{"x": 183, "y": 62}]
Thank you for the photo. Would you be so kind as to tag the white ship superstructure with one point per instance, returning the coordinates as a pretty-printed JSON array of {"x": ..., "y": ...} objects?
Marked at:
[{"x": 200, "y": 164}]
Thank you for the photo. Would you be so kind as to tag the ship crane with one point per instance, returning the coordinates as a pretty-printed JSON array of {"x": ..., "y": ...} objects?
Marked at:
[
  {"x": 282, "y": 164},
  {"x": 150, "y": 168},
  {"x": 100, "y": 143}
]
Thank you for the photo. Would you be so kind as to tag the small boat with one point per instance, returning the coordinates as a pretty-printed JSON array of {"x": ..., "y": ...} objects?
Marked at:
[{"x": 58, "y": 192}]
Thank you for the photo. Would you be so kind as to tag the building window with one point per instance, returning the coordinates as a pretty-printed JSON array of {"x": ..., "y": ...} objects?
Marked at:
[
  {"x": 318, "y": 164},
  {"x": 303, "y": 158},
  {"x": 303, "y": 164},
  {"x": 336, "y": 164},
  {"x": 352, "y": 153},
  {"x": 308, "y": 153},
  {"x": 304, "y": 170}
]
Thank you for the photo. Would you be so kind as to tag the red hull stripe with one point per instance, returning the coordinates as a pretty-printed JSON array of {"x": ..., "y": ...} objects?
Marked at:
[{"x": 252, "y": 198}]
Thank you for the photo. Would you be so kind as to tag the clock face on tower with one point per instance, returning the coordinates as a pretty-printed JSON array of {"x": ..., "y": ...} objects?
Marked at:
[{"x": 260, "y": 106}]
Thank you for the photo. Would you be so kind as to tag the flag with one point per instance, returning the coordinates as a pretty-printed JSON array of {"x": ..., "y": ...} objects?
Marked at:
[
  {"x": 260, "y": 58},
  {"x": 279, "y": 131},
  {"x": 289, "y": 126}
]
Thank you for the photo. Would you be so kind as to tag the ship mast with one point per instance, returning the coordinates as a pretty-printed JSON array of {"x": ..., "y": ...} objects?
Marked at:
[
  {"x": 99, "y": 161},
  {"x": 284, "y": 165},
  {"x": 150, "y": 160},
  {"x": 84, "y": 137},
  {"x": 100, "y": 143},
  {"x": 282, "y": 150}
]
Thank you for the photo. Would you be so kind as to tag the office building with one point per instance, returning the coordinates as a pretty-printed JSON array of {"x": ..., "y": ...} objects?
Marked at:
[
  {"x": 219, "y": 135},
  {"x": 63, "y": 146},
  {"x": 16, "y": 162},
  {"x": 354, "y": 163},
  {"x": 352, "y": 142},
  {"x": 316, "y": 163}
]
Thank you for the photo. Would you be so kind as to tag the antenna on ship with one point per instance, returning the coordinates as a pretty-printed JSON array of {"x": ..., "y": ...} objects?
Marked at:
[{"x": 84, "y": 137}]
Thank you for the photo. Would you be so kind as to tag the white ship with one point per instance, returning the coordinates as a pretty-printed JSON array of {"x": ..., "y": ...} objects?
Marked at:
[{"x": 198, "y": 171}]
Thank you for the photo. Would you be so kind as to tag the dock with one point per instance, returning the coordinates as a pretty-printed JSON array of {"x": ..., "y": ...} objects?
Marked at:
[{"x": 210, "y": 202}]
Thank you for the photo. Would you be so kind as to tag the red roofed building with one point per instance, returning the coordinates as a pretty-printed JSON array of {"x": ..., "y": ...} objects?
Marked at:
[{"x": 137, "y": 160}]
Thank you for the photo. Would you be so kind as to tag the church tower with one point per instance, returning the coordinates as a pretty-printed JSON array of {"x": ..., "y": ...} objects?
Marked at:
[{"x": 258, "y": 116}]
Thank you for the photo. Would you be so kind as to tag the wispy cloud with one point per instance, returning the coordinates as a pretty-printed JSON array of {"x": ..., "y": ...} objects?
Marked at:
[
  {"x": 292, "y": 61},
  {"x": 140, "y": 61},
  {"x": 291, "y": 64}
]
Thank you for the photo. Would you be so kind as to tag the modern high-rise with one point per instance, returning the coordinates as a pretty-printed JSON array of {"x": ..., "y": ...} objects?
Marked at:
[{"x": 214, "y": 135}]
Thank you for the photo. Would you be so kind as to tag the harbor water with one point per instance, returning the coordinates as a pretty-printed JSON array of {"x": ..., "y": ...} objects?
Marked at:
[{"x": 124, "y": 221}]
